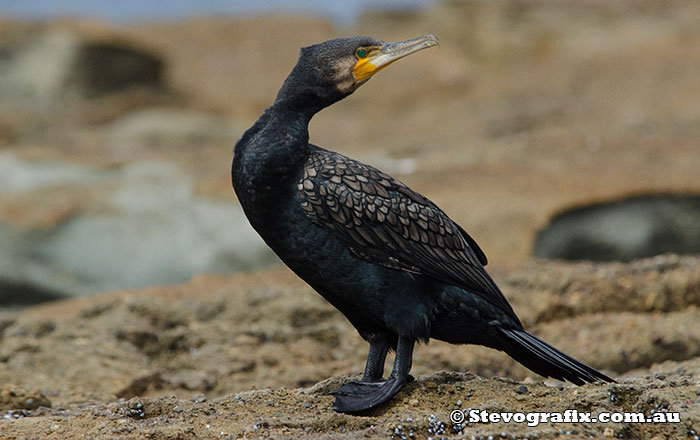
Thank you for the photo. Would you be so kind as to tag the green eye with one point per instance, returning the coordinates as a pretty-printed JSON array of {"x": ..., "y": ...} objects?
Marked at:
[{"x": 361, "y": 53}]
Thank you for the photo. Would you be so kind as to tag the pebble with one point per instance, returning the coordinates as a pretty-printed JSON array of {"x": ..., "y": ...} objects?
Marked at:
[
  {"x": 521, "y": 389},
  {"x": 436, "y": 426},
  {"x": 608, "y": 433},
  {"x": 135, "y": 409},
  {"x": 16, "y": 414}
]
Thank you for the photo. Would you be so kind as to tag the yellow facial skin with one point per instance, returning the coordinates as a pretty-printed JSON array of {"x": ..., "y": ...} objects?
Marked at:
[
  {"x": 371, "y": 60},
  {"x": 364, "y": 68}
]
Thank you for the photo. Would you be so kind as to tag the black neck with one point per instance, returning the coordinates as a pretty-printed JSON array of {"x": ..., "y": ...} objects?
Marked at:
[
  {"x": 272, "y": 152},
  {"x": 299, "y": 97}
]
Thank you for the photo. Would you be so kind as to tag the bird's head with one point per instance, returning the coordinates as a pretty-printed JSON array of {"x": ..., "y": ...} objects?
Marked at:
[{"x": 330, "y": 71}]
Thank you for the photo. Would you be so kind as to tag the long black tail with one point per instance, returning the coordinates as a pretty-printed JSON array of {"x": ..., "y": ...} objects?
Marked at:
[{"x": 546, "y": 360}]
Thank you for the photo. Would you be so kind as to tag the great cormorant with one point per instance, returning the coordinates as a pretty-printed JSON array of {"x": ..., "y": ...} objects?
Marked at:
[{"x": 389, "y": 259}]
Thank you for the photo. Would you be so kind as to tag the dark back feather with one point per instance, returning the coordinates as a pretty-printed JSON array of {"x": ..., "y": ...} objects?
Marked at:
[{"x": 385, "y": 222}]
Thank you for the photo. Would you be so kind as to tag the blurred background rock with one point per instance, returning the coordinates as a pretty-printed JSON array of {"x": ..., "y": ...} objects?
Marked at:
[{"x": 116, "y": 129}]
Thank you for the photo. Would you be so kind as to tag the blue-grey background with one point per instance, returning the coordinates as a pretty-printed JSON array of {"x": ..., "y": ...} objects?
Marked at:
[{"x": 130, "y": 10}]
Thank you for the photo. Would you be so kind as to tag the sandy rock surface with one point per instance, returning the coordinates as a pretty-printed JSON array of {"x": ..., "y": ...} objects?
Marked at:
[{"x": 256, "y": 355}]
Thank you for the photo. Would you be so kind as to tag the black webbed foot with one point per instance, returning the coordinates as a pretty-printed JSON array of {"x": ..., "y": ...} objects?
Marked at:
[
  {"x": 355, "y": 387},
  {"x": 360, "y": 396}
]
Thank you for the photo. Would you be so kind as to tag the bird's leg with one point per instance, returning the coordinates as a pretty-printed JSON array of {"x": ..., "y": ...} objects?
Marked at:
[
  {"x": 374, "y": 369},
  {"x": 360, "y": 396}
]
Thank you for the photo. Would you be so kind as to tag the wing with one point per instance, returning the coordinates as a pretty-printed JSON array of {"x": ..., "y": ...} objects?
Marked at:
[{"x": 385, "y": 222}]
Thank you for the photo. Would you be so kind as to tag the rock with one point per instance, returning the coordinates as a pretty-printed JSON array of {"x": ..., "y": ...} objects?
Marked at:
[
  {"x": 170, "y": 126},
  {"x": 543, "y": 291},
  {"x": 56, "y": 66},
  {"x": 151, "y": 344},
  {"x": 68, "y": 230},
  {"x": 636, "y": 227},
  {"x": 20, "y": 398}
]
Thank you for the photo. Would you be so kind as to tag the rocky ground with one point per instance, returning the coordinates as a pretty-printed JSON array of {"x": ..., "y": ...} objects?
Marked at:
[
  {"x": 254, "y": 356},
  {"x": 526, "y": 110}
]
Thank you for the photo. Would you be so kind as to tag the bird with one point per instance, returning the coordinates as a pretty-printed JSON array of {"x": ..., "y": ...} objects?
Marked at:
[{"x": 390, "y": 260}]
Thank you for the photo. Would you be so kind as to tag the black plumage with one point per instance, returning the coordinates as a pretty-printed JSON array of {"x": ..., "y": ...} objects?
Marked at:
[
  {"x": 387, "y": 223},
  {"x": 389, "y": 259}
]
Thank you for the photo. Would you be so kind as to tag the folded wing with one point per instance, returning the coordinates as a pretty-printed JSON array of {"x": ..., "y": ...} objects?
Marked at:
[{"x": 383, "y": 221}]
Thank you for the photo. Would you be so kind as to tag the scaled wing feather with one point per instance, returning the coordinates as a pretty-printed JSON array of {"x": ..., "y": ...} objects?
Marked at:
[{"x": 385, "y": 222}]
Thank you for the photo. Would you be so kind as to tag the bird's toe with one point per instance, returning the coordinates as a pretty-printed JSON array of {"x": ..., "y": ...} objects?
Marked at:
[{"x": 360, "y": 396}]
